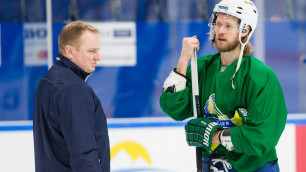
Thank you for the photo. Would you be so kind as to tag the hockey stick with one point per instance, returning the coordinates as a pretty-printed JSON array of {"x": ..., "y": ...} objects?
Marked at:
[{"x": 196, "y": 103}]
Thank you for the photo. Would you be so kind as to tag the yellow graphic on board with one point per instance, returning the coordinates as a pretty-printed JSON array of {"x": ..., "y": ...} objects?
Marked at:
[{"x": 133, "y": 149}]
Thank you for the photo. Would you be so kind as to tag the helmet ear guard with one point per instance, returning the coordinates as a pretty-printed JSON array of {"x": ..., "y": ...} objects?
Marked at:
[{"x": 243, "y": 28}]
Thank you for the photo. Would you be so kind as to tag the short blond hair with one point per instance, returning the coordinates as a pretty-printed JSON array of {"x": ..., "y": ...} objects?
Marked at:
[{"x": 71, "y": 33}]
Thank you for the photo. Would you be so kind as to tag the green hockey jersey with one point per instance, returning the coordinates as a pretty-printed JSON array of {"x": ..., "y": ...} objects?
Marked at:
[{"x": 257, "y": 90}]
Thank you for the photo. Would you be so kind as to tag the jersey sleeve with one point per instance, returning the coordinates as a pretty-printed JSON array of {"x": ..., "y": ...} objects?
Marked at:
[
  {"x": 177, "y": 105},
  {"x": 266, "y": 118},
  {"x": 76, "y": 118}
]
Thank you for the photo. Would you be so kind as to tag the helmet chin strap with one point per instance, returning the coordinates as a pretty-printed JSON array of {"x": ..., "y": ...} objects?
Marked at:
[{"x": 240, "y": 56}]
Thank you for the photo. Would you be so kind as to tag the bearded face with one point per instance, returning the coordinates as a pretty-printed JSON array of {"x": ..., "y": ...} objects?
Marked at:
[
  {"x": 226, "y": 33},
  {"x": 224, "y": 45}
]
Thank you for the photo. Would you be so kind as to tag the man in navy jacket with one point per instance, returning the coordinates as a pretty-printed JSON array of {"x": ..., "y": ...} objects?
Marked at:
[{"x": 69, "y": 124}]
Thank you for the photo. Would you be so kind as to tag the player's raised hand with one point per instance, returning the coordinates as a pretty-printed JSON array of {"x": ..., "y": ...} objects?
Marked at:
[{"x": 189, "y": 44}]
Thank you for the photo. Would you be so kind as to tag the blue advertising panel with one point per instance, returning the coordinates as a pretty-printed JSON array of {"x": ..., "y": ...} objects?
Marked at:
[{"x": 134, "y": 90}]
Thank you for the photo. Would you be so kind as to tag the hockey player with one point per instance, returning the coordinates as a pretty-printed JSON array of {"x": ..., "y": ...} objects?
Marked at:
[{"x": 242, "y": 103}]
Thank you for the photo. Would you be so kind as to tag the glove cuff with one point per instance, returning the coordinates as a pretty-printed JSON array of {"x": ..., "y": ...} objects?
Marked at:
[{"x": 226, "y": 140}]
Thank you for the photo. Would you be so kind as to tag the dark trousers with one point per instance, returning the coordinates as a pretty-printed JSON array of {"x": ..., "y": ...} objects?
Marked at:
[{"x": 217, "y": 164}]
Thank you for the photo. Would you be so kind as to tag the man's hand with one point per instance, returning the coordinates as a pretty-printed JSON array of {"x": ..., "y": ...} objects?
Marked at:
[
  {"x": 200, "y": 131},
  {"x": 189, "y": 44}
]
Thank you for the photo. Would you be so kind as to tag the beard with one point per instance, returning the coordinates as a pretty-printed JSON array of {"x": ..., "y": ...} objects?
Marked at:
[{"x": 229, "y": 46}]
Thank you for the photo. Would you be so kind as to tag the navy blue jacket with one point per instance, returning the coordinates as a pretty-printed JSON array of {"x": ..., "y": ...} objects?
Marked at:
[{"x": 69, "y": 124}]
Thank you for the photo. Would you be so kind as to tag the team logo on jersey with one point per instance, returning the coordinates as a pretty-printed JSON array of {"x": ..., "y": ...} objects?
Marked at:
[{"x": 214, "y": 113}]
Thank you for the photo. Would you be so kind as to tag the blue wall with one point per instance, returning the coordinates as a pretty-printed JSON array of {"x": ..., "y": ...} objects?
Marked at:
[{"x": 134, "y": 91}]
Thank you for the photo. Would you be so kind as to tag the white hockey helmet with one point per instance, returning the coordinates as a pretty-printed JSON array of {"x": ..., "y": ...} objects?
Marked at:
[{"x": 245, "y": 10}]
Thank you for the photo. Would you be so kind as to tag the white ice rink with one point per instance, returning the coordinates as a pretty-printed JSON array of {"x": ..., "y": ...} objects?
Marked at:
[{"x": 148, "y": 144}]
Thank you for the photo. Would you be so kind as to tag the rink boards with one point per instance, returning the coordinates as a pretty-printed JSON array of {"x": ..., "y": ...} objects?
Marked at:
[{"x": 146, "y": 144}]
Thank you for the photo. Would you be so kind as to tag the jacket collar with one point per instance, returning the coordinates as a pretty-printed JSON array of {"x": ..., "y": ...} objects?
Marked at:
[{"x": 63, "y": 61}]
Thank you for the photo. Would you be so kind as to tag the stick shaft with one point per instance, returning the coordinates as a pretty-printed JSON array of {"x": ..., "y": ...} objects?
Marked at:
[
  {"x": 196, "y": 103},
  {"x": 195, "y": 85}
]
